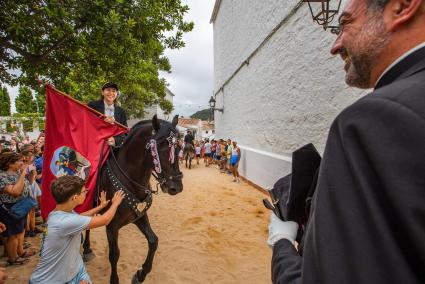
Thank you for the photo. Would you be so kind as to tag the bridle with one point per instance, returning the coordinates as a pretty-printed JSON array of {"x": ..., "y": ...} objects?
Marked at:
[{"x": 157, "y": 172}]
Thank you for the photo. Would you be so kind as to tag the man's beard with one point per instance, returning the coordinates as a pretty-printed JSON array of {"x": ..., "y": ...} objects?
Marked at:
[{"x": 365, "y": 53}]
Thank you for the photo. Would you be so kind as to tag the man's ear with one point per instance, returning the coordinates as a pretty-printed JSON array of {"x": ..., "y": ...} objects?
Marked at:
[{"x": 400, "y": 12}]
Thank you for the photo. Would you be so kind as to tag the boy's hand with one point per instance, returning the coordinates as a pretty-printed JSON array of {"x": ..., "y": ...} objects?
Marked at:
[
  {"x": 2, "y": 227},
  {"x": 103, "y": 201},
  {"x": 118, "y": 197}
]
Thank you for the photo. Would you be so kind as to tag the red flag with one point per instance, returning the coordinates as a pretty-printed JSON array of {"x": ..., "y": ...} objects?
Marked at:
[{"x": 74, "y": 138}]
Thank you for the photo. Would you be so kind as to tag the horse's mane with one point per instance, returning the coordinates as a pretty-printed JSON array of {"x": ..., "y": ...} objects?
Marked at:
[
  {"x": 140, "y": 124},
  {"x": 143, "y": 123},
  {"x": 136, "y": 129}
]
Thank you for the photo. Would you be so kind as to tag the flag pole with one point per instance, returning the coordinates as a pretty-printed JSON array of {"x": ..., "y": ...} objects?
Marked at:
[{"x": 48, "y": 85}]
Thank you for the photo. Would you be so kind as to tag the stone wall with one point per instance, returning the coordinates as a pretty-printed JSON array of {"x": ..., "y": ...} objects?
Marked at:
[{"x": 289, "y": 92}]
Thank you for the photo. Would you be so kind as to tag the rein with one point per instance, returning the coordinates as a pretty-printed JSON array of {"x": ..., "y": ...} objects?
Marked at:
[
  {"x": 138, "y": 185},
  {"x": 138, "y": 207}
]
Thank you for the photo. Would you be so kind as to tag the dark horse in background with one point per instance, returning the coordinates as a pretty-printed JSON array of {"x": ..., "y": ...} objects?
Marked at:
[
  {"x": 131, "y": 168},
  {"x": 188, "y": 154}
]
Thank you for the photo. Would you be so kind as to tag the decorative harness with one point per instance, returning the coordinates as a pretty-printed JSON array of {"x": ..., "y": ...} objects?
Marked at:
[{"x": 140, "y": 207}]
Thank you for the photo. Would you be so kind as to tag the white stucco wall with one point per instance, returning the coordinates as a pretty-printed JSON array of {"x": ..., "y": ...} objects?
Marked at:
[{"x": 289, "y": 93}]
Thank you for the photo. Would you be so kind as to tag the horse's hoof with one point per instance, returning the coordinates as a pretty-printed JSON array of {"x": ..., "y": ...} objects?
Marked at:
[
  {"x": 88, "y": 256},
  {"x": 135, "y": 279}
]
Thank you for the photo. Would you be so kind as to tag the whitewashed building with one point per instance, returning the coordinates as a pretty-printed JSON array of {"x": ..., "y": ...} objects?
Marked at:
[
  {"x": 156, "y": 109},
  {"x": 194, "y": 125},
  {"x": 150, "y": 111},
  {"x": 279, "y": 86},
  {"x": 207, "y": 130}
]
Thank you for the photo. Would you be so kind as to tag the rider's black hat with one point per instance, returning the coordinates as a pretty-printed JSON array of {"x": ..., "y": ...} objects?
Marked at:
[{"x": 110, "y": 85}]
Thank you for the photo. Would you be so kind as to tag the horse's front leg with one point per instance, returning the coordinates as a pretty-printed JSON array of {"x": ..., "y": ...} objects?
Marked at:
[
  {"x": 87, "y": 251},
  {"x": 145, "y": 228},
  {"x": 114, "y": 251}
]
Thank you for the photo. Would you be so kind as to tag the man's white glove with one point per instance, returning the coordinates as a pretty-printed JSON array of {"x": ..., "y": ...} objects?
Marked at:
[{"x": 279, "y": 229}]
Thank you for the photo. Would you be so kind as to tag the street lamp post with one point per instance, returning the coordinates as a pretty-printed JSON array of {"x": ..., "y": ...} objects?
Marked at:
[{"x": 212, "y": 106}]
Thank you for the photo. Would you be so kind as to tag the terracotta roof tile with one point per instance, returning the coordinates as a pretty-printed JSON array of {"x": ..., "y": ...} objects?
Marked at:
[{"x": 188, "y": 121}]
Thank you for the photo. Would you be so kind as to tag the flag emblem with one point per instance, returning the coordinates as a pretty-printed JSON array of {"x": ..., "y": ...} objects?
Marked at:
[{"x": 68, "y": 162}]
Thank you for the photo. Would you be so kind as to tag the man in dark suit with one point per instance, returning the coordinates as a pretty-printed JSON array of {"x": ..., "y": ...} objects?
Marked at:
[
  {"x": 367, "y": 220},
  {"x": 107, "y": 106}
]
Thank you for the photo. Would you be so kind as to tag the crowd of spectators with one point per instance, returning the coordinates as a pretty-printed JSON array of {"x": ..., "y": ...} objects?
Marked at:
[
  {"x": 225, "y": 154},
  {"x": 20, "y": 177}
]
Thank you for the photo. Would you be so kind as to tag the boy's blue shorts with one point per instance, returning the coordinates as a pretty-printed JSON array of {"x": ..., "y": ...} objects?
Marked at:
[{"x": 82, "y": 275}]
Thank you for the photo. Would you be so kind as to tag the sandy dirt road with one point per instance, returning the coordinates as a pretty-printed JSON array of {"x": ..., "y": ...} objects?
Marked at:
[{"x": 213, "y": 232}]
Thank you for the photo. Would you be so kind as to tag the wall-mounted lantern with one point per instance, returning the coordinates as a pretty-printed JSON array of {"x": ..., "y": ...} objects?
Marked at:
[
  {"x": 323, "y": 13},
  {"x": 212, "y": 105}
]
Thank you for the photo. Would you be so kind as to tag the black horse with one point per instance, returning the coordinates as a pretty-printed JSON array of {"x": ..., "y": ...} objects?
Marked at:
[
  {"x": 150, "y": 146},
  {"x": 188, "y": 153}
]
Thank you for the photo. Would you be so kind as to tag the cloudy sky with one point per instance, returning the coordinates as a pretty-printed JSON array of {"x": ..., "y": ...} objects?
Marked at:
[{"x": 191, "y": 79}]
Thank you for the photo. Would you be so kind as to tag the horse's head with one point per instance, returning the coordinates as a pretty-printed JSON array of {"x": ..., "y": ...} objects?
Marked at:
[{"x": 166, "y": 162}]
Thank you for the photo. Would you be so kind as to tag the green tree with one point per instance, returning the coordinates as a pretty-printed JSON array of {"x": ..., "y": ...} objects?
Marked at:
[
  {"x": 79, "y": 45},
  {"x": 40, "y": 99},
  {"x": 166, "y": 106},
  {"x": 4, "y": 102},
  {"x": 24, "y": 102}
]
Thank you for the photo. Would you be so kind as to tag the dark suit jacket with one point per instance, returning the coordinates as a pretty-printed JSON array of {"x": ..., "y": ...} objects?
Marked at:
[
  {"x": 119, "y": 116},
  {"x": 367, "y": 223}
]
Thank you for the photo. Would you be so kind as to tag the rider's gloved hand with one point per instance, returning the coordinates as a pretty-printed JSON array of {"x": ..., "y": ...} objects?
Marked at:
[{"x": 279, "y": 229}]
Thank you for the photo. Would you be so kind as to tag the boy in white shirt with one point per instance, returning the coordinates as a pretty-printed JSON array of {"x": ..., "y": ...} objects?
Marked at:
[{"x": 60, "y": 259}]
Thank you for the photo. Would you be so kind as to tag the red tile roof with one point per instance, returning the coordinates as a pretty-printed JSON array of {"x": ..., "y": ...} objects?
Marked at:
[{"x": 188, "y": 121}]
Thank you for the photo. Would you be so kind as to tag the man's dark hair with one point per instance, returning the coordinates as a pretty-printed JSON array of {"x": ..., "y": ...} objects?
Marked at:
[
  {"x": 63, "y": 188},
  {"x": 377, "y": 5}
]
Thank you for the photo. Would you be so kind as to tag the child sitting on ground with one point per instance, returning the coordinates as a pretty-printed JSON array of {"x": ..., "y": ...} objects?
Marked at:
[{"x": 60, "y": 259}]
